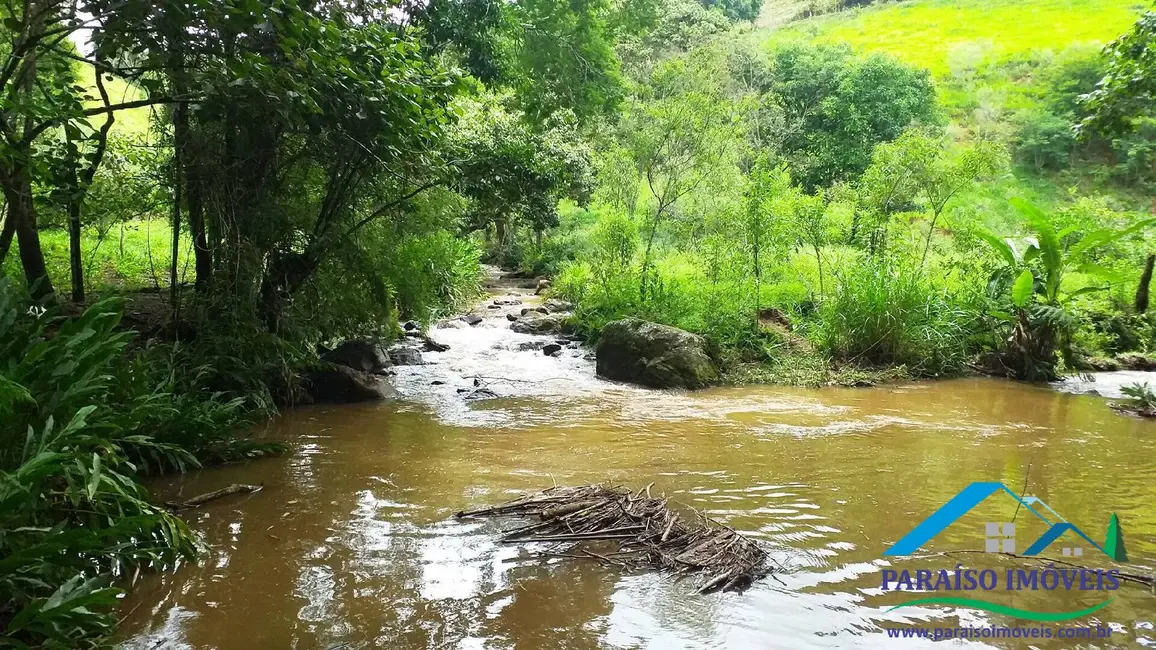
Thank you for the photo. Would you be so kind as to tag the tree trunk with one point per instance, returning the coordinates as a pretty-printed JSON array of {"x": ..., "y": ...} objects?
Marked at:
[
  {"x": 500, "y": 233},
  {"x": 287, "y": 272},
  {"x": 194, "y": 198},
  {"x": 646, "y": 256},
  {"x": 6, "y": 237},
  {"x": 819, "y": 259},
  {"x": 1145, "y": 283},
  {"x": 22, "y": 214},
  {"x": 176, "y": 249},
  {"x": 75, "y": 263}
]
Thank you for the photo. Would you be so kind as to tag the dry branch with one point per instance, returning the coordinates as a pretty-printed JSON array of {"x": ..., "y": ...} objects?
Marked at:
[
  {"x": 647, "y": 533},
  {"x": 202, "y": 499}
]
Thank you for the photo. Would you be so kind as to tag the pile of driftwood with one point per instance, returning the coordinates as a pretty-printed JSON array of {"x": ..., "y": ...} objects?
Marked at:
[{"x": 640, "y": 530}]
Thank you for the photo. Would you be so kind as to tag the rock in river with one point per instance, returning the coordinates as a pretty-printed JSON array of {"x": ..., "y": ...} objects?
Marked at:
[
  {"x": 538, "y": 325},
  {"x": 402, "y": 356},
  {"x": 551, "y": 349},
  {"x": 339, "y": 384},
  {"x": 654, "y": 355},
  {"x": 363, "y": 355}
]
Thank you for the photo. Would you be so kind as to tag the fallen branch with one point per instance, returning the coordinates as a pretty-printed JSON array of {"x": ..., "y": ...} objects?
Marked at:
[
  {"x": 202, "y": 499},
  {"x": 647, "y": 533}
]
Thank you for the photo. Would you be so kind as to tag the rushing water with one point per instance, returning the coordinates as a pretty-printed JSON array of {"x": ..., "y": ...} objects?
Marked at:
[{"x": 352, "y": 543}]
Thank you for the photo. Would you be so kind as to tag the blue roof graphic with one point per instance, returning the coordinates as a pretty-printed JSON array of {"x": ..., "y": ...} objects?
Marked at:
[{"x": 968, "y": 498}]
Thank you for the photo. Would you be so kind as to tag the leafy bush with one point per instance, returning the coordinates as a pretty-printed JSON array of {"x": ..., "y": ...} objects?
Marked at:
[
  {"x": 836, "y": 107},
  {"x": 883, "y": 317},
  {"x": 80, "y": 418},
  {"x": 737, "y": 9},
  {"x": 434, "y": 273},
  {"x": 1044, "y": 140},
  {"x": 1136, "y": 151},
  {"x": 1142, "y": 396}
]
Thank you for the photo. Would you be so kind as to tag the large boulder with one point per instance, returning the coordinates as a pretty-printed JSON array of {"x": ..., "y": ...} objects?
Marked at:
[
  {"x": 338, "y": 384},
  {"x": 546, "y": 324},
  {"x": 405, "y": 356},
  {"x": 654, "y": 355},
  {"x": 363, "y": 355}
]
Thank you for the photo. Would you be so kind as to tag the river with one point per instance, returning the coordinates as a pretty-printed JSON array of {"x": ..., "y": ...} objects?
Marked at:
[{"x": 352, "y": 543}]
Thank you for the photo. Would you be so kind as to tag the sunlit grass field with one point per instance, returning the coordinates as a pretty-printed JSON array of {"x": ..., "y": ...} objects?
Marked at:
[
  {"x": 127, "y": 122},
  {"x": 935, "y": 33},
  {"x": 131, "y": 255},
  {"x": 984, "y": 56}
]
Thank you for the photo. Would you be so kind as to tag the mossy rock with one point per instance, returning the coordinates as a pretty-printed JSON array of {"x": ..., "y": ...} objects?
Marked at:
[{"x": 658, "y": 356}]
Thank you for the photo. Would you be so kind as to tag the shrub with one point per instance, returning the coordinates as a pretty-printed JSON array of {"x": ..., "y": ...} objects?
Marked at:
[
  {"x": 881, "y": 317},
  {"x": 1044, "y": 140},
  {"x": 71, "y": 442}
]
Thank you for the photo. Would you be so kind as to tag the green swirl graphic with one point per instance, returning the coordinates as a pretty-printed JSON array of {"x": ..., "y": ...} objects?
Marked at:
[{"x": 1004, "y": 609}]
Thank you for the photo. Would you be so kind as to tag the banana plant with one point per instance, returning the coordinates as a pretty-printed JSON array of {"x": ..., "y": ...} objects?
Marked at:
[{"x": 1037, "y": 291}]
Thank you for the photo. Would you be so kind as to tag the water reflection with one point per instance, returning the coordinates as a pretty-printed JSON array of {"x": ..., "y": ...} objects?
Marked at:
[{"x": 353, "y": 541}]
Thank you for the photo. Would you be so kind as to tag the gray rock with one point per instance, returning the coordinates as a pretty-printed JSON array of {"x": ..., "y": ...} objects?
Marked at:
[
  {"x": 455, "y": 324},
  {"x": 655, "y": 355},
  {"x": 526, "y": 346},
  {"x": 507, "y": 302},
  {"x": 471, "y": 319},
  {"x": 558, "y": 305},
  {"x": 411, "y": 325},
  {"x": 481, "y": 393},
  {"x": 403, "y": 356},
  {"x": 538, "y": 325},
  {"x": 430, "y": 345},
  {"x": 337, "y": 384},
  {"x": 363, "y": 355},
  {"x": 552, "y": 349},
  {"x": 1136, "y": 361},
  {"x": 511, "y": 317}
]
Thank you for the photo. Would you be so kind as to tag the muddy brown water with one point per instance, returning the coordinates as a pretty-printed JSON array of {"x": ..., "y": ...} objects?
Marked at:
[{"x": 353, "y": 544}]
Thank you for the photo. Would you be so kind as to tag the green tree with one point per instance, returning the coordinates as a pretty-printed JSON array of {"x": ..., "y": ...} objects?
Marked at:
[
  {"x": 810, "y": 214},
  {"x": 1128, "y": 87},
  {"x": 513, "y": 173},
  {"x": 835, "y": 108},
  {"x": 763, "y": 226},
  {"x": 681, "y": 131}
]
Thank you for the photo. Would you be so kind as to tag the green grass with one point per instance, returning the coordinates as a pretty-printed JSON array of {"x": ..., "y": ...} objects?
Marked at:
[
  {"x": 132, "y": 255},
  {"x": 942, "y": 34}
]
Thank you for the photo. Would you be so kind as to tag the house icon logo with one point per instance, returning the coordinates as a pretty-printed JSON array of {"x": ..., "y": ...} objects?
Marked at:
[{"x": 1000, "y": 536}]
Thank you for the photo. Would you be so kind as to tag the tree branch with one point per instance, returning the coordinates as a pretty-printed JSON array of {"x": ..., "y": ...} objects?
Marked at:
[
  {"x": 104, "y": 110},
  {"x": 389, "y": 206}
]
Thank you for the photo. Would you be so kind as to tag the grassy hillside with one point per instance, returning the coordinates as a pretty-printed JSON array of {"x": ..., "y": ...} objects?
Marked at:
[
  {"x": 943, "y": 34},
  {"x": 990, "y": 60}
]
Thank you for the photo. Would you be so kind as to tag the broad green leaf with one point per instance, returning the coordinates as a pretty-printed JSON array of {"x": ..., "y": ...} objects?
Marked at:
[
  {"x": 1022, "y": 288},
  {"x": 1001, "y": 247}
]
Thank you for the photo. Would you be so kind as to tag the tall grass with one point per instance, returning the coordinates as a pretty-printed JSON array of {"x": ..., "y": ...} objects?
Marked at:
[{"x": 882, "y": 317}]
